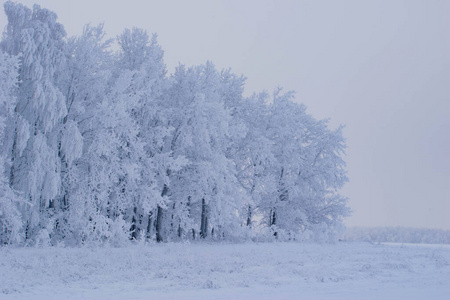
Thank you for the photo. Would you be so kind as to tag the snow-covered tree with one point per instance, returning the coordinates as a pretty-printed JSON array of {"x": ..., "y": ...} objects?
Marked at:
[
  {"x": 37, "y": 38},
  {"x": 90, "y": 179},
  {"x": 309, "y": 170},
  {"x": 206, "y": 189},
  {"x": 254, "y": 158},
  {"x": 10, "y": 218}
]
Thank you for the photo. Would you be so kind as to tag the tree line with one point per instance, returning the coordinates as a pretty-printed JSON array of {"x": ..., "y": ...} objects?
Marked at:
[
  {"x": 106, "y": 146},
  {"x": 397, "y": 235}
]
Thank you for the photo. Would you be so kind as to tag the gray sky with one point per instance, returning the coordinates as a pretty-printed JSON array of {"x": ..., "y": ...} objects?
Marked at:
[{"x": 382, "y": 68}]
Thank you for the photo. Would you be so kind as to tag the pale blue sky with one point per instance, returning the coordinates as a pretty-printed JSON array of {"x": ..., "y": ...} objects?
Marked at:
[{"x": 380, "y": 67}]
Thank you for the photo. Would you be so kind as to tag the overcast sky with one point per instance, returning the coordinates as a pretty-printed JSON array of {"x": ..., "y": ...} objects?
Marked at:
[{"x": 382, "y": 68}]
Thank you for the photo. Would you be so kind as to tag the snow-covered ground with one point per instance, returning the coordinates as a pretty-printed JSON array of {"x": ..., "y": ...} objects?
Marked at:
[{"x": 228, "y": 271}]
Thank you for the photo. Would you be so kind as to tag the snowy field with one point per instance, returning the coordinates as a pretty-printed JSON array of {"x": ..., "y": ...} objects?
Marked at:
[{"x": 228, "y": 271}]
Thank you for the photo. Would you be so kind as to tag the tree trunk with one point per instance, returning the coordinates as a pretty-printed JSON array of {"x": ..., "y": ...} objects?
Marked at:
[
  {"x": 134, "y": 228},
  {"x": 149, "y": 225},
  {"x": 188, "y": 204},
  {"x": 204, "y": 220},
  {"x": 159, "y": 212},
  {"x": 249, "y": 216},
  {"x": 158, "y": 228},
  {"x": 273, "y": 220},
  {"x": 13, "y": 155}
]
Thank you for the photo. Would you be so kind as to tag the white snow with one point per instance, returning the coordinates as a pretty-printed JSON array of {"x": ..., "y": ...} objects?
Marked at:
[{"x": 228, "y": 271}]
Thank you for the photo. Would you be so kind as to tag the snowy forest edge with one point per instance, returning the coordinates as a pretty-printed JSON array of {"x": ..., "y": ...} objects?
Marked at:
[{"x": 102, "y": 146}]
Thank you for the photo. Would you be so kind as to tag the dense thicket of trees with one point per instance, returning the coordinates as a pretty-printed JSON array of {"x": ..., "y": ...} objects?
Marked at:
[{"x": 106, "y": 146}]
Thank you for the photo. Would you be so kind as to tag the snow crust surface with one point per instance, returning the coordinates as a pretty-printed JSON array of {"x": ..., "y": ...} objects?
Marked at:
[{"x": 228, "y": 271}]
